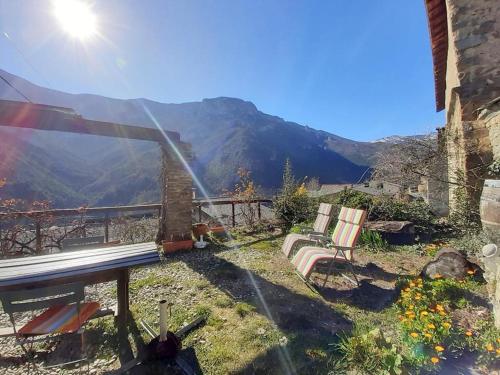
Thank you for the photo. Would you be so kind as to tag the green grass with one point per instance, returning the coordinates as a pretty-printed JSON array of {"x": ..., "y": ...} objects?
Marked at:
[
  {"x": 243, "y": 309},
  {"x": 238, "y": 336}
]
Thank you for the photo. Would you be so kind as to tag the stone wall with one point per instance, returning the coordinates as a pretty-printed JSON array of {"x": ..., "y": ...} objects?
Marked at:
[
  {"x": 474, "y": 48},
  {"x": 177, "y": 184},
  {"x": 472, "y": 80},
  {"x": 490, "y": 115}
]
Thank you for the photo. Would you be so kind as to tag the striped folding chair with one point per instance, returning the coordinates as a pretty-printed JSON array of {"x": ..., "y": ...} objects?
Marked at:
[
  {"x": 344, "y": 240},
  {"x": 64, "y": 312},
  {"x": 312, "y": 236}
]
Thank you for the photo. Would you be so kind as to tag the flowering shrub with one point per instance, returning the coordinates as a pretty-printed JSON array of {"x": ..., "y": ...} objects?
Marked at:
[{"x": 428, "y": 329}]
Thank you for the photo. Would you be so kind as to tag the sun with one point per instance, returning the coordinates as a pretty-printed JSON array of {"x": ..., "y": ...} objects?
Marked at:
[{"x": 76, "y": 18}]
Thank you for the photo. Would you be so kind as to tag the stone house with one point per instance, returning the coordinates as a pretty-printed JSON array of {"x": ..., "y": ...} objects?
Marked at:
[{"x": 465, "y": 39}]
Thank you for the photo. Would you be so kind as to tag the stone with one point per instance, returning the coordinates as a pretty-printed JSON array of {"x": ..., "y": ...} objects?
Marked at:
[
  {"x": 448, "y": 263},
  {"x": 469, "y": 42}
]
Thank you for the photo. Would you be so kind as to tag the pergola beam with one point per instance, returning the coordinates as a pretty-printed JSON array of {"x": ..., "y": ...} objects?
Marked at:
[{"x": 45, "y": 117}]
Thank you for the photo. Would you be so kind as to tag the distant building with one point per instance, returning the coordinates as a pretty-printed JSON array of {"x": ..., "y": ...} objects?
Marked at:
[{"x": 374, "y": 188}]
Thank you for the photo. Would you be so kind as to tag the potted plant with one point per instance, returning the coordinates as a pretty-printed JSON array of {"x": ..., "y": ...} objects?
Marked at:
[
  {"x": 172, "y": 245},
  {"x": 200, "y": 229},
  {"x": 218, "y": 231}
]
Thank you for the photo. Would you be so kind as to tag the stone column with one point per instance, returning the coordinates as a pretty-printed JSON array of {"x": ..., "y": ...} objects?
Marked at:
[{"x": 176, "y": 189}]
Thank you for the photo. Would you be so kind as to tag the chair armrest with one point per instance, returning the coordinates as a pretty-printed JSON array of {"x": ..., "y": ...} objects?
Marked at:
[
  {"x": 306, "y": 230},
  {"x": 319, "y": 237}
]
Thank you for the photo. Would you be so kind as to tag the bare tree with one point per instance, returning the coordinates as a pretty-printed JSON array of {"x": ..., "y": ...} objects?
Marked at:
[{"x": 406, "y": 162}]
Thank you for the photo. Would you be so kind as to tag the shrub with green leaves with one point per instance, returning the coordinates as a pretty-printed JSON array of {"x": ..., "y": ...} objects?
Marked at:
[
  {"x": 418, "y": 212},
  {"x": 292, "y": 204},
  {"x": 353, "y": 199},
  {"x": 373, "y": 240},
  {"x": 368, "y": 352}
]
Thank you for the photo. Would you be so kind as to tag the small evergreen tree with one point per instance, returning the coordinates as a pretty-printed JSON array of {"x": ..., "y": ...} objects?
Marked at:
[{"x": 291, "y": 205}]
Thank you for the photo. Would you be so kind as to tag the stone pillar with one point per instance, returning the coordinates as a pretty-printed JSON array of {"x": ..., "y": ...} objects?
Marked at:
[{"x": 177, "y": 197}]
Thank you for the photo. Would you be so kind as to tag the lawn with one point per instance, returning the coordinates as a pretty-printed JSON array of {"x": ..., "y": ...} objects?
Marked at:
[{"x": 261, "y": 318}]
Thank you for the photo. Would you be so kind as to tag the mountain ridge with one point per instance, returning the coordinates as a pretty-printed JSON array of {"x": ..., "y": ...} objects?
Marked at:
[{"x": 226, "y": 134}]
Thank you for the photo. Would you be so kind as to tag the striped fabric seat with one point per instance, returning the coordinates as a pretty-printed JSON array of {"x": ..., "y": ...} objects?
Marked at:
[
  {"x": 345, "y": 237},
  {"x": 60, "y": 319},
  {"x": 321, "y": 224}
]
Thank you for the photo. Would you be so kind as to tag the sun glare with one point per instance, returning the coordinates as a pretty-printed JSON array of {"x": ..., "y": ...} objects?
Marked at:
[{"x": 76, "y": 18}]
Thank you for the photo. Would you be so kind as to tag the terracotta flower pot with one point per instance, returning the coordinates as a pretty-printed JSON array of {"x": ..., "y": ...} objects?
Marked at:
[
  {"x": 200, "y": 229},
  {"x": 172, "y": 246},
  {"x": 219, "y": 231}
]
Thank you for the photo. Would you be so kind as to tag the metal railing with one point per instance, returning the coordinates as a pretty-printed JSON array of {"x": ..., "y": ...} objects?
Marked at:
[{"x": 38, "y": 230}]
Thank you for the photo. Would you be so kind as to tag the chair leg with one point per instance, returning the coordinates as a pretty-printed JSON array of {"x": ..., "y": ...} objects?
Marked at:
[
  {"x": 29, "y": 356},
  {"x": 328, "y": 272},
  {"x": 351, "y": 268}
]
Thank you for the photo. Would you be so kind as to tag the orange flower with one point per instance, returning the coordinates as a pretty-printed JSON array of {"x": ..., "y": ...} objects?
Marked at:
[
  {"x": 418, "y": 298},
  {"x": 498, "y": 351},
  {"x": 412, "y": 284},
  {"x": 414, "y": 335},
  {"x": 468, "y": 333},
  {"x": 439, "y": 308},
  {"x": 446, "y": 325},
  {"x": 470, "y": 272},
  {"x": 407, "y": 289},
  {"x": 439, "y": 348},
  {"x": 489, "y": 347},
  {"x": 434, "y": 360},
  {"x": 428, "y": 335},
  {"x": 437, "y": 276},
  {"x": 431, "y": 326},
  {"x": 424, "y": 313}
]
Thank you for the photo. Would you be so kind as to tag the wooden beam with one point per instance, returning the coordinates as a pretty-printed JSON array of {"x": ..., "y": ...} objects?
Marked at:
[{"x": 44, "y": 117}]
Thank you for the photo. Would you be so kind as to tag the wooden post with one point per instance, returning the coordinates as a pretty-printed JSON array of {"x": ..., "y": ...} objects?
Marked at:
[
  {"x": 199, "y": 213},
  {"x": 38, "y": 237},
  {"x": 106, "y": 228},
  {"x": 122, "y": 289},
  {"x": 258, "y": 210},
  {"x": 232, "y": 211}
]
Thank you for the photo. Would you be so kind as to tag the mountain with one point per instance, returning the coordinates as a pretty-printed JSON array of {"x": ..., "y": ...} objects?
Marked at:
[
  {"x": 225, "y": 133},
  {"x": 398, "y": 139}
]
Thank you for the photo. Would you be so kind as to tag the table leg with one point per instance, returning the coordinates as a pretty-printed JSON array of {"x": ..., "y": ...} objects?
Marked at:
[{"x": 122, "y": 295}]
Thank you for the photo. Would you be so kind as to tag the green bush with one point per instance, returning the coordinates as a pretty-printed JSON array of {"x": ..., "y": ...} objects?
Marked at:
[
  {"x": 373, "y": 240},
  {"x": 418, "y": 212},
  {"x": 292, "y": 205},
  {"x": 368, "y": 352},
  {"x": 353, "y": 199}
]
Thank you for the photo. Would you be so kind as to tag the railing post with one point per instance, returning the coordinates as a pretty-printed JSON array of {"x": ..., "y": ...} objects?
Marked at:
[
  {"x": 106, "y": 228},
  {"x": 258, "y": 210},
  {"x": 232, "y": 211},
  {"x": 38, "y": 237},
  {"x": 199, "y": 213}
]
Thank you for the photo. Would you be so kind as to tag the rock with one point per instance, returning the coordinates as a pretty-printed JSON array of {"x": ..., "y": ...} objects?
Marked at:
[{"x": 448, "y": 263}]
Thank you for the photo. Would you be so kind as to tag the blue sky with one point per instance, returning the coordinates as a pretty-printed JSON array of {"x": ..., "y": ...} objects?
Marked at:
[{"x": 361, "y": 69}]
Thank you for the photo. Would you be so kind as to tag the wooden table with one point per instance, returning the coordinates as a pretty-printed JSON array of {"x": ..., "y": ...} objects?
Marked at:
[{"x": 88, "y": 266}]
